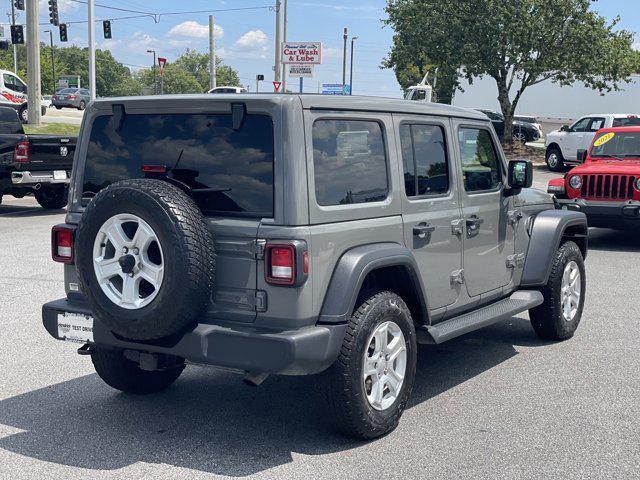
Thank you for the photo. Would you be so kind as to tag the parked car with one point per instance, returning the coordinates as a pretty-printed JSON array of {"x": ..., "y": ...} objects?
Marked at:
[
  {"x": 523, "y": 132},
  {"x": 228, "y": 89},
  {"x": 299, "y": 234},
  {"x": 13, "y": 93},
  {"x": 563, "y": 145},
  {"x": 46, "y": 101},
  {"x": 606, "y": 187},
  {"x": 38, "y": 164},
  {"x": 71, "y": 98},
  {"x": 532, "y": 120}
]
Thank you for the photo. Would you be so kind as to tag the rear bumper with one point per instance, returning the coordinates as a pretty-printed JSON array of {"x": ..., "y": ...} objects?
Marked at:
[
  {"x": 33, "y": 178},
  {"x": 605, "y": 214},
  {"x": 66, "y": 103},
  {"x": 304, "y": 351}
]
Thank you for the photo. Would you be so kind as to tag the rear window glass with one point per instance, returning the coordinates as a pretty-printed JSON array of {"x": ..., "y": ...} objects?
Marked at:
[
  {"x": 626, "y": 122},
  {"x": 68, "y": 90},
  {"x": 227, "y": 171},
  {"x": 349, "y": 162}
]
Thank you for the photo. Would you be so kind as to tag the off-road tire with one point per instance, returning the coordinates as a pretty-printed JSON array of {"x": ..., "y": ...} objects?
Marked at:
[
  {"x": 125, "y": 375},
  {"x": 58, "y": 107},
  {"x": 547, "y": 319},
  {"x": 188, "y": 251},
  {"x": 52, "y": 198},
  {"x": 349, "y": 411},
  {"x": 559, "y": 166}
]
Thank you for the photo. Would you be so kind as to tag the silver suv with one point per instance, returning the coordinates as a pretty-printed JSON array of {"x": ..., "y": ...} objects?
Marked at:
[{"x": 302, "y": 234}]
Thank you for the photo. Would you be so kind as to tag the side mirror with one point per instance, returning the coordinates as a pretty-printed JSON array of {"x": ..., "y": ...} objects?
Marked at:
[
  {"x": 582, "y": 156},
  {"x": 565, "y": 128},
  {"x": 520, "y": 175}
]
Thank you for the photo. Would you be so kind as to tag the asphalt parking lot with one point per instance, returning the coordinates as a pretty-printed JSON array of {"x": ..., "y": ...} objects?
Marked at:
[{"x": 497, "y": 403}]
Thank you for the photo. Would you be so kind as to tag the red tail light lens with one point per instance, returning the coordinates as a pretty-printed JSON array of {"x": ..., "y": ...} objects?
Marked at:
[
  {"x": 21, "y": 152},
  {"x": 72, "y": 97},
  {"x": 280, "y": 264},
  {"x": 62, "y": 237}
]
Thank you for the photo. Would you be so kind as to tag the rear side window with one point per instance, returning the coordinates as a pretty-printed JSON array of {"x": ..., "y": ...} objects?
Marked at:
[
  {"x": 626, "y": 122},
  {"x": 227, "y": 171},
  {"x": 349, "y": 162},
  {"x": 480, "y": 163},
  {"x": 424, "y": 158}
]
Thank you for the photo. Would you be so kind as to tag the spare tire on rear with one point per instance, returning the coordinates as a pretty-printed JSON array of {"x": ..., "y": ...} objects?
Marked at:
[{"x": 145, "y": 258}]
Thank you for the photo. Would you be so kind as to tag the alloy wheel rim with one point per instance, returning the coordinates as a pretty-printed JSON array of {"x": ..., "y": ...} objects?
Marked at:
[
  {"x": 384, "y": 365},
  {"x": 571, "y": 290},
  {"x": 128, "y": 261},
  {"x": 520, "y": 137},
  {"x": 553, "y": 160}
]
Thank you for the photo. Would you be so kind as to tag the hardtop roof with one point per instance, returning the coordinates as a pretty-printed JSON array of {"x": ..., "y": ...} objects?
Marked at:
[{"x": 308, "y": 101}]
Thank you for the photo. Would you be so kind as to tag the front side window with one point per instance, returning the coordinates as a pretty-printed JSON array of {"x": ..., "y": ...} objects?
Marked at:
[
  {"x": 349, "y": 162},
  {"x": 424, "y": 158},
  {"x": 480, "y": 162},
  {"x": 227, "y": 171},
  {"x": 581, "y": 125},
  {"x": 12, "y": 83}
]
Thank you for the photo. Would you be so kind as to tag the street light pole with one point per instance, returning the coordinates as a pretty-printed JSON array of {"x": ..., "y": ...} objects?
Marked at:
[
  {"x": 53, "y": 63},
  {"x": 284, "y": 39},
  {"x": 353, "y": 39},
  {"x": 344, "y": 61},
  {"x": 212, "y": 52},
  {"x": 15, "y": 52},
  {"x": 155, "y": 82},
  {"x": 92, "y": 50},
  {"x": 33, "y": 63},
  {"x": 276, "y": 67}
]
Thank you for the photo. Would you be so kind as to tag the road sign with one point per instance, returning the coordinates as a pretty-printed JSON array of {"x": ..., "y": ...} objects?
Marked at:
[
  {"x": 297, "y": 70},
  {"x": 276, "y": 86},
  {"x": 335, "y": 89},
  {"x": 309, "y": 53},
  {"x": 162, "y": 62}
]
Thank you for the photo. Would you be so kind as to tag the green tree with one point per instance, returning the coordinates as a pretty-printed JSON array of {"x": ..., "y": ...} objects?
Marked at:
[
  {"x": 175, "y": 80},
  {"x": 197, "y": 64},
  {"x": 518, "y": 44}
]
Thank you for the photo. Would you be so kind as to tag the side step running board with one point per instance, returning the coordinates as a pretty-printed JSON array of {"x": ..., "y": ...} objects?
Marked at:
[{"x": 518, "y": 302}]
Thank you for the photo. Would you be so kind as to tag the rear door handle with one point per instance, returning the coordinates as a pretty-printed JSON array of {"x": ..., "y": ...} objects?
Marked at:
[
  {"x": 423, "y": 229},
  {"x": 473, "y": 225}
]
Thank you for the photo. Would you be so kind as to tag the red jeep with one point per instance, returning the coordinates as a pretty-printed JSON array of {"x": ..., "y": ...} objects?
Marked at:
[{"x": 606, "y": 187}]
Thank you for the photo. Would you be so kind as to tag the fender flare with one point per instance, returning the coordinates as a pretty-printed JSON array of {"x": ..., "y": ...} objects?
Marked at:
[
  {"x": 352, "y": 269},
  {"x": 546, "y": 232}
]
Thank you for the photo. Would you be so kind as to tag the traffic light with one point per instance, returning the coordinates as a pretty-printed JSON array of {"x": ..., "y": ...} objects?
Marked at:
[
  {"x": 19, "y": 4},
  {"x": 17, "y": 34},
  {"x": 53, "y": 13},
  {"x": 106, "y": 27},
  {"x": 260, "y": 77},
  {"x": 63, "y": 32}
]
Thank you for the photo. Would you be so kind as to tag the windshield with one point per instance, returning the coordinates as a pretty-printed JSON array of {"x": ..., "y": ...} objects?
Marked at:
[{"x": 616, "y": 144}]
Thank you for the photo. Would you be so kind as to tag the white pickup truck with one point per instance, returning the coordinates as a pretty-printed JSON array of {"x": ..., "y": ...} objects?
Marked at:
[{"x": 563, "y": 145}]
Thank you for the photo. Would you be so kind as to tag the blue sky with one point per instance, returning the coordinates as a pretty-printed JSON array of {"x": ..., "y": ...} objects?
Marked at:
[{"x": 245, "y": 39}]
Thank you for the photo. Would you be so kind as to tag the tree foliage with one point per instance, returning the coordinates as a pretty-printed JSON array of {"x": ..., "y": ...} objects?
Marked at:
[{"x": 517, "y": 43}]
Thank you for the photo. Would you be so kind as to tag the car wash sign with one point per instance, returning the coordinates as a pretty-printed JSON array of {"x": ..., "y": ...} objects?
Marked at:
[{"x": 302, "y": 53}]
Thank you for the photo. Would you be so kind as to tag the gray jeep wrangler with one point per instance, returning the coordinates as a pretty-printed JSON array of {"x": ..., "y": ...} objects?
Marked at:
[{"x": 302, "y": 234}]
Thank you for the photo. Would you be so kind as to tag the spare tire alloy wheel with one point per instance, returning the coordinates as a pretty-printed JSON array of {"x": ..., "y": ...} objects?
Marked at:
[
  {"x": 128, "y": 261},
  {"x": 384, "y": 365}
]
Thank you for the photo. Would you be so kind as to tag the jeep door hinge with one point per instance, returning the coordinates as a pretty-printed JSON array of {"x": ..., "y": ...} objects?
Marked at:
[
  {"x": 516, "y": 260},
  {"x": 457, "y": 227},
  {"x": 258, "y": 248},
  {"x": 457, "y": 276},
  {"x": 514, "y": 216}
]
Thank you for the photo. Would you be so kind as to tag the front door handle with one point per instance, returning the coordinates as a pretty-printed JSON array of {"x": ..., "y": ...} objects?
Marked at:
[
  {"x": 473, "y": 225},
  {"x": 422, "y": 230}
]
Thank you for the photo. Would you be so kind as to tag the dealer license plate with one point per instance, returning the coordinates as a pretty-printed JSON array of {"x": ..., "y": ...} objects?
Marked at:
[
  {"x": 74, "y": 327},
  {"x": 59, "y": 175}
]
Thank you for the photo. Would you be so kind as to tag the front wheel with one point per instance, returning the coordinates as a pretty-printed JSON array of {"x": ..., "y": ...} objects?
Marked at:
[
  {"x": 125, "y": 375},
  {"x": 368, "y": 386},
  {"x": 554, "y": 160},
  {"x": 52, "y": 198},
  {"x": 559, "y": 316}
]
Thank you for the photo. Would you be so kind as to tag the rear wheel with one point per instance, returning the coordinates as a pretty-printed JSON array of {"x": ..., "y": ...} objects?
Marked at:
[
  {"x": 555, "y": 160},
  {"x": 23, "y": 113},
  {"x": 368, "y": 386},
  {"x": 53, "y": 197},
  {"x": 520, "y": 136},
  {"x": 58, "y": 107},
  {"x": 125, "y": 375},
  {"x": 559, "y": 316}
]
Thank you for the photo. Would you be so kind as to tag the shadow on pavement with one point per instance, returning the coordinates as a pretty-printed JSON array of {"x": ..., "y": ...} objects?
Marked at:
[
  {"x": 603, "y": 239},
  {"x": 16, "y": 211},
  {"x": 211, "y": 422}
]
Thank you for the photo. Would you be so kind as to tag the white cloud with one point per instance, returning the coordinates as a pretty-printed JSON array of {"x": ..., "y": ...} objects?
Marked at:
[
  {"x": 192, "y": 29},
  {"x": 63, "y": 6},
  {"x": 138, "y": 42},
  {"x": 253, "y": 38}
]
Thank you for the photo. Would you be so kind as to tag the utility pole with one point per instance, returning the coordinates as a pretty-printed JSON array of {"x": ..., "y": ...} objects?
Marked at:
[
  {"x": 15, "y": 52},
  {"x": 344, "y": 61},
  {"x": 53, "y": 63},
  {"x": 212, "y": 52},
  {"x": 284, "y": 39},
  {"x": 33, "y": 63},
  {"x": 276, "y": 67},
  {"x": 353, "y": 39},
  {"x": 92, "y": 50}
]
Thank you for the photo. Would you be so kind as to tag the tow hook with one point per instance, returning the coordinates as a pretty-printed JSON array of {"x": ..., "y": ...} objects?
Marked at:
[
  {"x": 86, "y": 349},
  {"x": 254, "y": 379}
]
